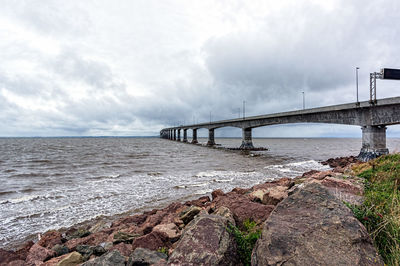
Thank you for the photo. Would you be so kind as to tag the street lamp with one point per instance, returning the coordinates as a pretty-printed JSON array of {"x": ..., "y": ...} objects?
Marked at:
[
  {"x": 304, "y": 100},
  {"x": 357, "y": 68},
  {"x": 244, "y": 109}
]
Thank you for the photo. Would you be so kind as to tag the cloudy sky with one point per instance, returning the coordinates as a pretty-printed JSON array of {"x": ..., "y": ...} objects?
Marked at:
[{"x": 71, "y": 68}]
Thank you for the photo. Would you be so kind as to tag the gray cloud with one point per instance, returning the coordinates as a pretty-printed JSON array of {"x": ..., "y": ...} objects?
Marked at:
[{"x": 96, "y": 68}]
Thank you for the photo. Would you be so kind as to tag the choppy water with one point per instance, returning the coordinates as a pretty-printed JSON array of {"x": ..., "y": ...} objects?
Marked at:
[{"x": 49, "y": 183}]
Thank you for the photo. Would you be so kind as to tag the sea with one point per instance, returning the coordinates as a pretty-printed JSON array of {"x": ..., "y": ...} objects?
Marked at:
[{"x": 53, "y": 183}]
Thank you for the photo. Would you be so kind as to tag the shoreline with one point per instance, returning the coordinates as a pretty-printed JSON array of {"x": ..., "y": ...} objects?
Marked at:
[{"x": 162, "y": 228}]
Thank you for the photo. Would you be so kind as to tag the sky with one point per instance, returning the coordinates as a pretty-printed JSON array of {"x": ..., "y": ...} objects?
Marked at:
[{"x": 131, "y": 68}]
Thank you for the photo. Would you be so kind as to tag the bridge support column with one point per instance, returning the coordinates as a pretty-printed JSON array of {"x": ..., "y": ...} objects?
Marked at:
[
  {"x": 174, "y": 138},
  {"x": 211, "y": 140},
  {"x": 185, "y": 135},
  {"x": 170, "y": 134},
  {"x": 373, "y": 142},
  {"x": 194, "y": 138},
  {"x": 247, "y": 141},
  {"x": 179, "y": 135}
]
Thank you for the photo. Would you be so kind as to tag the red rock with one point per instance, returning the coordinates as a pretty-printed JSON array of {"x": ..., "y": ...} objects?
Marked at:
[
  {"x": 241, "y": 191},
  {"x": 24, "y": 249},
  {"x": 321, "y": 175},
  {"x": 309, "y": 173},
  {"x": 343, "y": 185},
  {"x": 153, "y": 241},
  {"x": 124, "y": 249},
  {"x": 38, "y": 253},
  {"x": 135, "y": 219},
  {"x": 91, "y": 240},
  {"x": 16, "y": 263},
  {"x": 243, "y": 208},
  {"x": 7, "y": 256},
  {"x": 170, "y": 230},
  {"x": 287, "y": 182},
  {"x": 54, "y": 261},
  {"x": 152, "y": 221},
  {"x": 275, "y": 195},
  {"x": 200, "y": 202},
  {"x": 217, "y": 193},
  {"x": 50, "y": 239}
]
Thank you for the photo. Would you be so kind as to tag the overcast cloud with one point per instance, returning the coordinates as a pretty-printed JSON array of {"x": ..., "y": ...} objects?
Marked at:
[{"x": 71, "y": 68}]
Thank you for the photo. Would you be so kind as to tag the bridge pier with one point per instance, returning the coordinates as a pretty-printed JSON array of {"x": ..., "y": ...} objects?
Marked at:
[
  {"x": 194, "y": 138},
  {"x": 179, "y": 135},
  {"x": 373, "y": 142},
  {"x": 185, "y": 135},
  {"x": 174, "y": 138},
  {"x": 247, "y": 141},
  {"x": 211, "y": 140}
]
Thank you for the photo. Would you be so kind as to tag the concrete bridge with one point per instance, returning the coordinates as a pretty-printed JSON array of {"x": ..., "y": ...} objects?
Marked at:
[{"x": 372, "y": 116}]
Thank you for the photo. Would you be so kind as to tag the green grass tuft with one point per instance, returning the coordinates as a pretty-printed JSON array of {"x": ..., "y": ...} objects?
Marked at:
[
  {"x": 380, "y": 212},
  {"x": 245, "y": 239}
]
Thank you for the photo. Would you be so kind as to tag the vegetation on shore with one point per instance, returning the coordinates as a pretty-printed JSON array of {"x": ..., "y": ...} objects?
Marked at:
[
  {"x": 245, "y": 239},
  {"x": 380, "y": 212}
]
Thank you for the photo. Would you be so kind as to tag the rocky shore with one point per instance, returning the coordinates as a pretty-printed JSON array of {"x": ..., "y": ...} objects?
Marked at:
[{"x": 302, "y": 221}]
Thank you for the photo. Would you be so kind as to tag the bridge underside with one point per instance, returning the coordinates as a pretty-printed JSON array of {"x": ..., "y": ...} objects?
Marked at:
[{"x": 373, "y": 119}]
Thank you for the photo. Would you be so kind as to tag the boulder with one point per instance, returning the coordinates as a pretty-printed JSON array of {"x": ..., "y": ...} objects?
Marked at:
[
  {"x": 153, "y": 241},
  {"x": 206, "y": 241},
  {"x": 111, "y": 258},
  {"x": 71, "y": 259},
  {"x": 217, "y": 193},
  {"x": 50, "y": 239},
  {"x": 124, "y": 249},
  {"x": 226, "y": 213},
  {"x": 275, "y": 195},
  {"x": 87, "y": 251},
  {"x": 187, "y": 215},
  {"x": 124, "y": 237},
  {"x": 321, "y": 175},
  {"x": 135, "y": 220},
  {"x": 76, "y": 233},
  {"x": 60, "y": 250},
  {"x": 312, "y": 227},
  {"x": 24, "y": 249},
  {"x": 37, "y": 253},
  {"x": 16, "y": 263},
  {"x": 91, "y": 240},
  {"x": 200, "y": 202},
  {"x": 170, "y": 230},
  {"x": 7, "y": 256},
  {"x": 142, "y": 257},
  {"x": 243, "y": 208}
]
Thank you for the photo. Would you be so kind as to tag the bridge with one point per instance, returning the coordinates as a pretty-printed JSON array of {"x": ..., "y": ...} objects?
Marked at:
[{"x": 372, "y": 116}]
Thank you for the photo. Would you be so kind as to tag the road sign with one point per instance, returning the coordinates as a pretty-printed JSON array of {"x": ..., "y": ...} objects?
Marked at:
[{"x": 390, "y": 73}]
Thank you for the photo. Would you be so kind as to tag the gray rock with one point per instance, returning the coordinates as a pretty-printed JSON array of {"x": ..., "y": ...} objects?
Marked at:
[
  {"x": 206, "y": 241},
  {"x": 111, "y": 258},
  {"x": 187, "y": 215},
  {"x": 144, "y": 257},
  {"x": 312, "y": 227},
  {"x": 60, "y": 250}
]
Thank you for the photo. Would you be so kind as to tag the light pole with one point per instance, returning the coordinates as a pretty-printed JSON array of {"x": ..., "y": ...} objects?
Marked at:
[
  {"x": 357, "y": 68},
  {"x": 304, "y": 100},
  {"x": 244, "y": 109},
  {"x": 210, "y": 117}
]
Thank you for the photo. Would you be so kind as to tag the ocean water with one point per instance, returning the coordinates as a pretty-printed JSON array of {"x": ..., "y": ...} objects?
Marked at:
[{"x": 51, "y": 183}]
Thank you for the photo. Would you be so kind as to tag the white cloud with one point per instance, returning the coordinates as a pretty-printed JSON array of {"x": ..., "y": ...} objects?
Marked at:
[{"x": 133, "y": 67}]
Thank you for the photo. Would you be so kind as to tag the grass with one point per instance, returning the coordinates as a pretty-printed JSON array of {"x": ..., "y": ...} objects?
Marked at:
[
  {"x": 245, "y": 239},
  {"x": 380, "y": 212}
]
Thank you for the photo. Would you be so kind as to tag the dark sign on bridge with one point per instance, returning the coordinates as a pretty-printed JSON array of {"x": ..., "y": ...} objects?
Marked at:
[{"x": 390, "y": 73}]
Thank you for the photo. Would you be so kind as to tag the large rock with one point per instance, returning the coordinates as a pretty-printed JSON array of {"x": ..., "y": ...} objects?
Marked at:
[
  {"x": 71, "y": 259},
  {"x": 143, "y": 257},
  {"x": 91, "y": 240},
  {"x": 7, "y": 256},
  {"x": 170, "y": 230},
  {"x": 243, "y": 208},
  {"x": 187, "y": 215},
  {"x": 312, "y": 227},
  {"x": 153, "y": 241},
  {"x": 38, "y": 254},
  {"x": 205, "y": 241},
  {"x": 50, "y": 239},
  {"x": 111, "y": 258}
]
